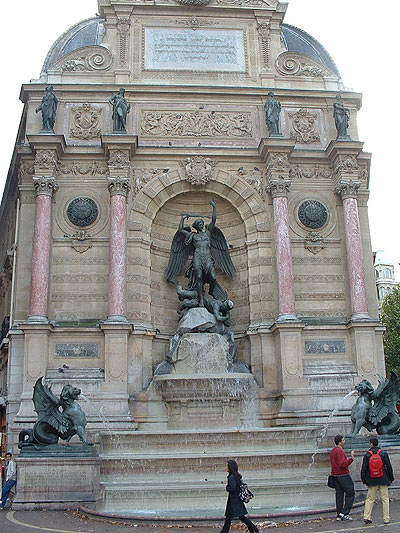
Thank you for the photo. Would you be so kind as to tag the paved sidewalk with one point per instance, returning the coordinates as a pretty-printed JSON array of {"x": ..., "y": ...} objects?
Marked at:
[{"x": 73, "y": 522}]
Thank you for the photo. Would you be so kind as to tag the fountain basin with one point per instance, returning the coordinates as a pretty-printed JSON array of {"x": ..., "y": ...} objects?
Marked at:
[{"x": 213, "y": 400}]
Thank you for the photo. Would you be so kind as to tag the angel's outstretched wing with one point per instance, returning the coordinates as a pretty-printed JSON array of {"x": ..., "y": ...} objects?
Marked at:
[
  {"x": 220, "y": 252},
  {"x": 385, "y": 398},
  {"x": 46, "y": 406},
  {"x": 178, "y": 255}
]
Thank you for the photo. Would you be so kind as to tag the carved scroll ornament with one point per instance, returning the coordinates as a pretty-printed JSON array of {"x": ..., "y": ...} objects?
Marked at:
[
  {"x": 89, "y": 58},
  {"x": 296, "y": 64}
]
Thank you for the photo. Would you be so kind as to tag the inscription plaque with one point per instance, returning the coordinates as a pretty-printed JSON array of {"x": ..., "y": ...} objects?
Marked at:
[
  {"x": 201, "y": 50},
  {"x": 77, "y": 350},
  {"x": 332, "y": 346}
]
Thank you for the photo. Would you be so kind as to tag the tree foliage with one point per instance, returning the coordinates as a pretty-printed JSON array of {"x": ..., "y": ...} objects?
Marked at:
[{"x": 391, "y": 321}]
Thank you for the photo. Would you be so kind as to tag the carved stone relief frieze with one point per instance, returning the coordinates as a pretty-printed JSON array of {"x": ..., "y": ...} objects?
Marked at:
[
  {"x": 296, "y": 64},
  {"x": 94, "y": 168},
  {"x": 45, "y": 160},
  {"x": 26, "y": 168},
  {"x": 195, "y": 23},
  {"x": 91, "y": 59},
  {"x": 316, "y": 172},
  {"x": 346, "y": 164},
  {"x": 196, "y": 124},
  {"x": 85, "y": 121},
  {"x": 304, "y": 127},
  {"x": 198, "y": 170},
  {"x": 253, "y": 177},
  {"x": 141, "y": 176},
  {"x": 246, "y": 2}
]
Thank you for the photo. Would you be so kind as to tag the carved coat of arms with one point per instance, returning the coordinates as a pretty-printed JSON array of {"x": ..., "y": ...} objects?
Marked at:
[
  {"x": 198, "y": 170},
  {"x": 85, "y": 122}
]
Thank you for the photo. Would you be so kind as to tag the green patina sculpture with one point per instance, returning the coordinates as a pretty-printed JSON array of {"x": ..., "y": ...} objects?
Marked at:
[
  {"x": 272, "y": 110},
  {"x": 341, "y": 116},
  {"x": 48, "y": 107},
  {"x": 121, "y": 108},
  {"x": 53, "y": 424},
  {"x": 207, "y": 245},
  {"x": 376, "y": 409}
]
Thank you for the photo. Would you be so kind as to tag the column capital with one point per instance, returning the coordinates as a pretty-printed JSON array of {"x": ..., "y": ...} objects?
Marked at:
[
  {"x": 278, "y": 187},
  {"x": 347, "y": 188},
  {"x": 119, "y": 185},
  {"x": 46, "y": 185}
]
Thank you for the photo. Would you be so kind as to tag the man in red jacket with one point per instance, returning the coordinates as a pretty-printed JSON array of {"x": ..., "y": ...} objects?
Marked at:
[{"x": 343, "y": 482}]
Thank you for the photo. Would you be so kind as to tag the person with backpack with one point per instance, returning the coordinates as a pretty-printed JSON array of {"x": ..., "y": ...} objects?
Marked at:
[
  {"x": 343, "y": 482},
  {"x": 235, "y": 508},
  {"x": 377, "y": 474}
]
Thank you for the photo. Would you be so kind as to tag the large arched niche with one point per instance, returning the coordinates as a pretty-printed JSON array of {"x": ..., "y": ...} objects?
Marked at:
[{"x": 164, "y": 301}]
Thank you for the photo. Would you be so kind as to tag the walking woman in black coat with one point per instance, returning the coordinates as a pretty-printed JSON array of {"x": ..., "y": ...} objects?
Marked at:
[{"x": 235, "y": 508}]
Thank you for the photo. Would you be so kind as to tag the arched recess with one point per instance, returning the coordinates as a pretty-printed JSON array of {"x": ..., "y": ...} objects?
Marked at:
[{"x": 153, "y": 221}]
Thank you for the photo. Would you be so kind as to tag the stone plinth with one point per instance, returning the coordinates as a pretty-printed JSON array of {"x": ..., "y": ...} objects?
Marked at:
[
  {"x": 57, "y": 482},
  {"x": 201, "y": 353}
]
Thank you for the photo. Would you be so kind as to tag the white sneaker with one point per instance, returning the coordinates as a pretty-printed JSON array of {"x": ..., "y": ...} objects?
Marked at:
[
  {"x": 339, "y": 517},
  {"x": 346, "y": 517}
]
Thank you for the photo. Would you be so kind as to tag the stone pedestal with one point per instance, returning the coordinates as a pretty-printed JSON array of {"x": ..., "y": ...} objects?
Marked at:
[{"x": 57, "y": 482}]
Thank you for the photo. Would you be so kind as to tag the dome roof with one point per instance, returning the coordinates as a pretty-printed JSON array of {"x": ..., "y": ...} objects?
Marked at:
[{"x": 90, "y": 32}]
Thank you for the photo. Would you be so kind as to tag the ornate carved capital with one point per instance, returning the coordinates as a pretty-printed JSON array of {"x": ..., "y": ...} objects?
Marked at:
[
  {"x": 119, "y": 185},
  {"x": 348, "y": 188},
  {"x": 45, "y": 185},
  {"x": 123, "y": 24},
  {"x": 278, "y": 187}
]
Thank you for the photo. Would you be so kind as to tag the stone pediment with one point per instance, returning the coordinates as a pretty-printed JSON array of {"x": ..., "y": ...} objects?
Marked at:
[
  {"x": 86, "y": 59},
  {"x": 297, "y": 64}
]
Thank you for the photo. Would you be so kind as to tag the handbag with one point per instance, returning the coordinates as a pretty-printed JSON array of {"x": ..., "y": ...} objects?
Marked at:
[
  {"x": 331, "y": 481},
  {"x": 245, "y": 493}
]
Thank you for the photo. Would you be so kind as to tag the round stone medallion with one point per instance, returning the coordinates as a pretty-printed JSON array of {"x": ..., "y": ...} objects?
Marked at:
[
  {"x": 313, "y": 214},
  {"x": 82, "y": 211}
]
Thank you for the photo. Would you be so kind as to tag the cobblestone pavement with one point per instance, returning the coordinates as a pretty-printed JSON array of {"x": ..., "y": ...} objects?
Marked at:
[{"x": 74, "y": 522}]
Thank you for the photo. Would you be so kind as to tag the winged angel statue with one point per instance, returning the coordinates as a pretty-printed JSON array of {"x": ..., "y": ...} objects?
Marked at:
[
  {"x": 376, "y": 409},
  {"x": 208, "y": 248},
  {"x": 52, "y": 423}
]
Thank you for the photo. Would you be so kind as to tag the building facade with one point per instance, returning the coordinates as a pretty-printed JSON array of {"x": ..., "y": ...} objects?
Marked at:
[
  {"x": 88, "y": 215},
  {"x": 384, "y": 276}
]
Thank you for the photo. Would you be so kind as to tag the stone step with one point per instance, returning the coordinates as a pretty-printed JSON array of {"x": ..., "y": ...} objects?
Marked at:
[
  {"x": 209, "y": 498},
  {"x": 204, "y": 465},
  {"x": 230, "y": 441}
]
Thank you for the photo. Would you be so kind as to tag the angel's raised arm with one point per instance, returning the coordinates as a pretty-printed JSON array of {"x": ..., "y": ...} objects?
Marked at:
[
  {"x": 211, "y": 225},
  {"x": 181, "y": 227}
]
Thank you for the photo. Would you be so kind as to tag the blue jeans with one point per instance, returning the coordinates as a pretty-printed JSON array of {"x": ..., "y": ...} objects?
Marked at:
[{"x": 8, "y": 485}]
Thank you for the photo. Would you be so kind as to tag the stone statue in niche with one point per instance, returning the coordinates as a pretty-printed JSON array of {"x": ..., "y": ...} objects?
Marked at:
[
  {"x": 48, "y": 107},
  {"x": 201, "y": 313},
  {"x": 341, "y": 116},
  {"x": 272, "y": 110},
  {"x": 207, "y": 245},
  {"x": 53, "y": 424},
  {"x": 121, "y": 108},
  {"x": 376, "y": 409}
]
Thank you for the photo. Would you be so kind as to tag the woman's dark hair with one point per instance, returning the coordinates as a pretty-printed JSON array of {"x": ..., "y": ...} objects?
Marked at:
[{"x": 233, "y": 469}]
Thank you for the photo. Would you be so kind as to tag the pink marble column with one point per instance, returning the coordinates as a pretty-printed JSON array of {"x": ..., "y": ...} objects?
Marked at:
[
  {"x": 119, "y": 188},
  {"x": 354, "y": 251},
  {"x": 279, "y": 189},
  {"x": 45, "y": 187}
]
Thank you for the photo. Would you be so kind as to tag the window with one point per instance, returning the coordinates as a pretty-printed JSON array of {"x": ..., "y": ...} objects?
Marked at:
[{"x": 387, "y": 273}]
